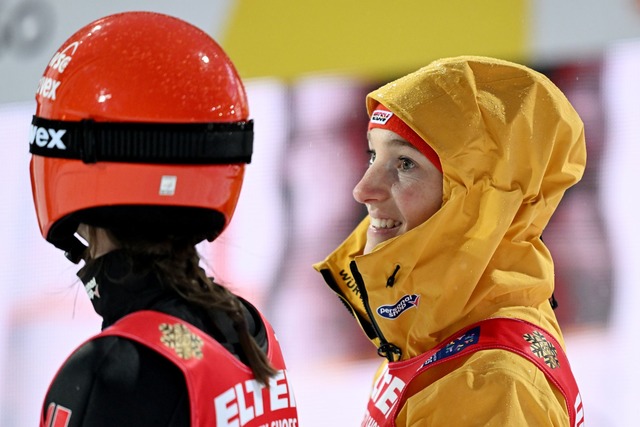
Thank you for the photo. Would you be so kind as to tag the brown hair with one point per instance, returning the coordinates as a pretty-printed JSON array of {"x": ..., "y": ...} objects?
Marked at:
[{"x": 176, "y": 261}]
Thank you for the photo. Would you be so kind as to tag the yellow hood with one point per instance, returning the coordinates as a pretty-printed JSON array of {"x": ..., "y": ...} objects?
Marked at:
[{"x": 510, "y": 144}]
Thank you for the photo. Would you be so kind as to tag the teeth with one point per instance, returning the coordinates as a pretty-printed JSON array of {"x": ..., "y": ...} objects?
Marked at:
[{"x": 384, "y": 223}]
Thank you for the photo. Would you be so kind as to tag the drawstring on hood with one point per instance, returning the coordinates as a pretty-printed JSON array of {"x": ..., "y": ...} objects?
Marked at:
[
  {"x": 392, "y": 279},
  {"x": 390, "y": 352}
]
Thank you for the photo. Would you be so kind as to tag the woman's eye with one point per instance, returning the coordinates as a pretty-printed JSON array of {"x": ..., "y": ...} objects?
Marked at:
[
  {"x": 372, "y": 156},
  {"x": 406, "y": 164}
]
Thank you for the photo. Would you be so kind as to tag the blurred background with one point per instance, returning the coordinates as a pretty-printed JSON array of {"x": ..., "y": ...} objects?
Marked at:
[{"x": 307, "y": 67}]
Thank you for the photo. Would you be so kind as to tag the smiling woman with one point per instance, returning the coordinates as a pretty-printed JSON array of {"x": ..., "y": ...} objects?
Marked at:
[
  {"x": 401, "y": 189},
  {"x": 470, "y": 156}
]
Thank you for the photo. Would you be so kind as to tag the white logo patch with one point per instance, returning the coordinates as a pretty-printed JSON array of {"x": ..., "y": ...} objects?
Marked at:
[
  {"x": 168, "y": 185},
  {"x": 92, "y": 289},
  {"x": 381, "y": 117}
]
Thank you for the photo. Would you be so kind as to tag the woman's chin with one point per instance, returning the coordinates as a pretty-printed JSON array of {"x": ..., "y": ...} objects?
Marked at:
[{"x": 377, "y": 236}]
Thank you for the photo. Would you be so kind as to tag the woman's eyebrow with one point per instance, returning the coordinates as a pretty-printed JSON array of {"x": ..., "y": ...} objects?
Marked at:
[
  {"x": 402, "y": 143},
  {"x": 396, "y": 141}
]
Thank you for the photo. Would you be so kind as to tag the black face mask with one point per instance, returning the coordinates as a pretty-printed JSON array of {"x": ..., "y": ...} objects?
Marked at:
[{"x": 115, "y": 290}]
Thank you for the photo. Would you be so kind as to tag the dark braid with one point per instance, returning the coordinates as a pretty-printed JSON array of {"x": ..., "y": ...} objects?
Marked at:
[{"x": 177, "y": 262}]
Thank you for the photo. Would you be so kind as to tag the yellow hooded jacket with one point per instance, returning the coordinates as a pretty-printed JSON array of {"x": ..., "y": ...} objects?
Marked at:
[{"x": 510, "y": 144}]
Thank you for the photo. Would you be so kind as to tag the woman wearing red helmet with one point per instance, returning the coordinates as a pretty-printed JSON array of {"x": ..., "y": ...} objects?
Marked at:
[{"x": 138, "y": 144}]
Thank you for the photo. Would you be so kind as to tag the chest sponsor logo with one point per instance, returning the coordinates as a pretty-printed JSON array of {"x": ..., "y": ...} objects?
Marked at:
[
  {"x": 384, "y": 396},
  {"x": 393, "y": 311},
  {"x": 455, "y": 346},
  {"x": 380, "y": 117},
  {"x": 249, "y": 402}
]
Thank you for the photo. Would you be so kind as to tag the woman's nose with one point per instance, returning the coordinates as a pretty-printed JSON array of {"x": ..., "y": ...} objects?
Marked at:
[{"x": 371, "y": 186}]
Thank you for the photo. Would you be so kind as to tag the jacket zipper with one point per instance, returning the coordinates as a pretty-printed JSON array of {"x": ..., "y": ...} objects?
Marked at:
[
  {"x": 363, "y": 321},
  {"x": 386, "y": 349}
]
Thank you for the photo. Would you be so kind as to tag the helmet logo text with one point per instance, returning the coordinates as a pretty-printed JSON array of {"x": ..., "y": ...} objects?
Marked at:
[
  {"x": 61, "y": 59},
  {"x": 50, "y": 138},
  {"x": 47, "y": 88}
]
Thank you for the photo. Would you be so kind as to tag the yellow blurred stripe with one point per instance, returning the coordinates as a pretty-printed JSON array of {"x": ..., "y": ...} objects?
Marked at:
[{"x": 371, "y": 38}]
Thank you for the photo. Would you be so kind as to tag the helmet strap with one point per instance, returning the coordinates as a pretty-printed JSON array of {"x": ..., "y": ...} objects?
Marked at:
[{"x": 166, "y": 143}]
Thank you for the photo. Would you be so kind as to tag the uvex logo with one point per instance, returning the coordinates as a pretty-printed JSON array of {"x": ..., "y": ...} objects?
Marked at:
[
  {"x": 48, "y": 86},
  {"x": 47, "y": 137}
]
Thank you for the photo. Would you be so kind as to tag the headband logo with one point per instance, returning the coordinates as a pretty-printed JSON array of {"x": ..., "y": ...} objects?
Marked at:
[{"x": 381, "y": 117}]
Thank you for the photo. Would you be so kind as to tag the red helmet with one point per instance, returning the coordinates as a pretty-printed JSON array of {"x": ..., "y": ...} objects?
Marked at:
[{"x": 141, "y": 123}]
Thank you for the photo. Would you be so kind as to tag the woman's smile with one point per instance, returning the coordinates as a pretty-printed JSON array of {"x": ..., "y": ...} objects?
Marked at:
[{"x": 401, "y": 188}]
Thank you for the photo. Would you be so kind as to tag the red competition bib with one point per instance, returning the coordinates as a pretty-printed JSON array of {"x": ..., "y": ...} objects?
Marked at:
[
  {"x": 222, "y": 391},
  {"x": 515, "y": 335}
]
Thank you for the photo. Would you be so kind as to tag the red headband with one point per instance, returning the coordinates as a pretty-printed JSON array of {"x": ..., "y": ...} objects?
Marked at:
[{"x": 382, "y": 118}]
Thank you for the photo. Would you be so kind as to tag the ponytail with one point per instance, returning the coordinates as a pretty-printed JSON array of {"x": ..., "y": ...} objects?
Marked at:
[{"x": 177, "y": 263}]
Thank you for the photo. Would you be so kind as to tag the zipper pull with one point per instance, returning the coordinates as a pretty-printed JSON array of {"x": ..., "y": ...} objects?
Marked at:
[{"x": 392, "y": 279}]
